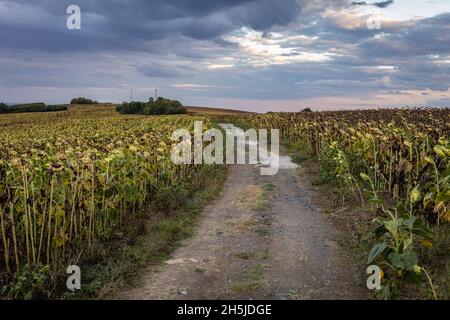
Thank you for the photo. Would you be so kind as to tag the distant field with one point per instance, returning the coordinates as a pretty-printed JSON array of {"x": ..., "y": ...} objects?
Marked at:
[
  {"x": 93, "y": 111},
  {"x": 213, "y": 111},
  {"x": 73, "y": 112}
]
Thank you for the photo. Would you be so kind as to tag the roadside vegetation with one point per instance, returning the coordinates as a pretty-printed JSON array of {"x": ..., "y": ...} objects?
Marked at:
[{"x": 396, "y": 164}]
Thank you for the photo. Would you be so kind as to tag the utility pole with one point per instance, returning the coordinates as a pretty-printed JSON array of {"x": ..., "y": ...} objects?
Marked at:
[
  {"x": 131, "y": 95},
  {"x": 156, "y": 94}
]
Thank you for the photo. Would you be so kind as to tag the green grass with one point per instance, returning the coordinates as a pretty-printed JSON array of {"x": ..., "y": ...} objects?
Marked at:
[
  {"x": 261, "y": 201},
  {"x": 245, "y": 255},
  {"x": 249, "y": 281},
  {"x": 269, "y": 186}
]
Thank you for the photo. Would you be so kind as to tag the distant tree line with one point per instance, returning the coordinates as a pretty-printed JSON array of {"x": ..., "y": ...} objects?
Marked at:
[
  {"x": 160, "y": 106},
  {"x": 83, "y": 100},
  {"x": 30, "y": 107},
  {"x": 3, "y": 108}
]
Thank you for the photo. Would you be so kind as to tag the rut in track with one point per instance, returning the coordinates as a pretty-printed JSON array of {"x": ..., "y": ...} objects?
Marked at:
[{"x": 265, "y": 237}]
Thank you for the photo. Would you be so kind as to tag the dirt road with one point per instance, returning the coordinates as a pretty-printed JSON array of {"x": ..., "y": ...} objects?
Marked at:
[{"x": 265, "y": 237}]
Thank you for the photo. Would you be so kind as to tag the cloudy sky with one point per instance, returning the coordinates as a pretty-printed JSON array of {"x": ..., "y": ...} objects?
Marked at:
[{"x": 255, "y": 55}]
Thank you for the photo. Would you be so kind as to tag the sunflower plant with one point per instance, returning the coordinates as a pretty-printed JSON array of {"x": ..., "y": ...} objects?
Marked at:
[{"x": 395, "y": 253}]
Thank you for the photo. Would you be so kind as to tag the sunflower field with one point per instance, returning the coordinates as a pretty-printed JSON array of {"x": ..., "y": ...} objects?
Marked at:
[
  {"x": 399, "y": 150},
  {"x": 68, "y": 182},
  {"x": 395, "y": 160}
]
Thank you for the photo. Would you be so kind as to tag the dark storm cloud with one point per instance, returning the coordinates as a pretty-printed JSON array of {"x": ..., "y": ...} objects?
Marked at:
[
  {"x": 426, "y": 37},
  {"x": 261, "y": 15},
  {"x": 133, "y": 24},
  {"x": 156, "y": 70},
  {"x": 380, "y": 4},
  {"x": 413, "y": 50},
  {"x": 400, "y": 56}
]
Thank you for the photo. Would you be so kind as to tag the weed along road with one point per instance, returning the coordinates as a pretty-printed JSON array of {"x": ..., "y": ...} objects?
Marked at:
[{"x": 265, "y": 237}]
